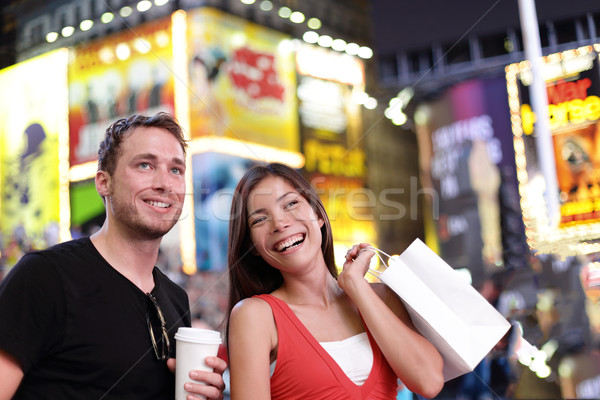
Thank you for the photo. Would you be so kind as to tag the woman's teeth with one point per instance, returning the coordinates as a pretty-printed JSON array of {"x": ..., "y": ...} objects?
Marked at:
[{"x": 294, "y": 240}]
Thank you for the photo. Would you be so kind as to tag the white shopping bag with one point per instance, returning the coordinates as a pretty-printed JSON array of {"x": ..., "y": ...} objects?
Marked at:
[{"x": 446, "y": 309}]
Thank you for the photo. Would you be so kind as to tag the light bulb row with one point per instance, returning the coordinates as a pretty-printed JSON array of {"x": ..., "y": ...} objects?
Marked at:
[{"x": 105, "y": 18}]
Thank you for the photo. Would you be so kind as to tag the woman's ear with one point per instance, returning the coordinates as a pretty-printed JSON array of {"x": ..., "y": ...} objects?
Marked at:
[{"x": 321, "y": 222}]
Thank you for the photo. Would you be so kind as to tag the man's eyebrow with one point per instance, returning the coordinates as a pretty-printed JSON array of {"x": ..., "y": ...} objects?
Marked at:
[
  {"x": 145, "y": 155},
  {"x": 178, "y": 161},
  {"x": 151, "y": 156}
]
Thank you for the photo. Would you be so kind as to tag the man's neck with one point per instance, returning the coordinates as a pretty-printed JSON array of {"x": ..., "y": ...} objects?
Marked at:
[{"x": 134, "y": 258}]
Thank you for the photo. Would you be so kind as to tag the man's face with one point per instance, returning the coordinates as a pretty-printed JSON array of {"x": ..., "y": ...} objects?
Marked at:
[{"x": 146, "y": 191}]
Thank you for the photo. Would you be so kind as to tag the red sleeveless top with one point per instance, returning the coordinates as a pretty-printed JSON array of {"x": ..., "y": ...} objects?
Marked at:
[{"x": 304, "y": 369}]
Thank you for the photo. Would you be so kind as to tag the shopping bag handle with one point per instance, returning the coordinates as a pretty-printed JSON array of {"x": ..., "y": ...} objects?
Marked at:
[{"x": 378, "y": 253}]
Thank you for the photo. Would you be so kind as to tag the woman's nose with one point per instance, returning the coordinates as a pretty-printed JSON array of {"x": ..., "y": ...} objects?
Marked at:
[{"x": 280, "y": 221}]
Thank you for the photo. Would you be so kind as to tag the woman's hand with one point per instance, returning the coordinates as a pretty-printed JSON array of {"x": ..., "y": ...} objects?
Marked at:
[
  {"x": 358, "y": 259},
  {"x": 210, "y": 384}
]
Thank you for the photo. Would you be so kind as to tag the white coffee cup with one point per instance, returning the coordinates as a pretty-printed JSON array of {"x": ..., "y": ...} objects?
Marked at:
[{"x": 193, "y": 346}]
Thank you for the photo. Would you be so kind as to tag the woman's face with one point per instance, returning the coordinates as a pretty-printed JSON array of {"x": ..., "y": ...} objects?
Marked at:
[{"x": 285, "y": 230}]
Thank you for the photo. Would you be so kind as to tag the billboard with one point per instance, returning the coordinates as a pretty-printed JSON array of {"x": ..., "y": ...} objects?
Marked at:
[
  {"x": 215, "y": 176},
  {"x": 573, "y": 90},
  {"x": 33, "y": 111},
  {"x": 127, "y": 73},
  {"x": 331, "y": 130},
  {"x": 241, "y": 81},
  {"x": 465, "y": 146}
]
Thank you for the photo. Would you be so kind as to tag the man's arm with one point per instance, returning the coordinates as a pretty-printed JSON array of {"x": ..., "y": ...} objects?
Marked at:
[{"x": 11, "y": 375}]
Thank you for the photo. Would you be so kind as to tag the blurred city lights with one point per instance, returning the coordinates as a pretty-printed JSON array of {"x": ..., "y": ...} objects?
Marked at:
[
  {"x": 325, "y": 41},
  {"x": 67, "y": 31},
  {"x": 266, "y": 5},
  {"x": 51, "y": 37},
  {"x": 287, "y": 46},
  {"x": 125, "y": 11},
  {"x": 141, "y": 45},
  {"x": 123, "y": 51},
  {"x": 465, "y": 274},
  {"x": 395, "y": 112},
  {"x": 86, "y": 25},
  {"x": 297, "y": 17},
  {"x": 399, "y": 119},
  {"x": 106, "y": 55},
  {"x": 371, "y": 103},
  {"x": 365, "y": 52},
  {"x": 107, "y": 17},
  {"x": 338, "y": 45},
  {"x": 248, "y": 1},
  {"x": 162, "y": 38},
  {"x": 143, "y": 5},
  {"x": 159, "y": 3},
  {"x": 352, "y": 49},
  {"x": 310, "y": 37},
  {"x": 285, "y": 12},
  {"x": 314, "y": 23},
  {"x": 360, "y": 97}
]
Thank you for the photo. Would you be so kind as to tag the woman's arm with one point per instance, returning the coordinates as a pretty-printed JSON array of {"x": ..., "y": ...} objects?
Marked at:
[
  {"x": 252, "y": 336},
  {"x": 412, "y": 357}
]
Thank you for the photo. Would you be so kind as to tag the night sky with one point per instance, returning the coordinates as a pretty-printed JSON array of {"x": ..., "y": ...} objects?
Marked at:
[{"x": 414, "y": 24}]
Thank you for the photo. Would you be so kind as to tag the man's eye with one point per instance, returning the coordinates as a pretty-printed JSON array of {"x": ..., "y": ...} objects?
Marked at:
[
  {"x": 144, "y": 165},
  {"x": 176, "y": 171}
]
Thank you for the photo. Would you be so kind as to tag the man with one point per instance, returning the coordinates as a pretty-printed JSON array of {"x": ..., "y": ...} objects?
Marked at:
[{"x": 94, "y": 318}]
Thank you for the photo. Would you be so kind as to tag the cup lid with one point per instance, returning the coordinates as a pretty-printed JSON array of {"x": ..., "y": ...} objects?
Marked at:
[{"x": 198, "y": 335}]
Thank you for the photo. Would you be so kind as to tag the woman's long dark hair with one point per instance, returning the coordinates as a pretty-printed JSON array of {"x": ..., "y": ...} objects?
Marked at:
[{"x": 249, "y": 274}]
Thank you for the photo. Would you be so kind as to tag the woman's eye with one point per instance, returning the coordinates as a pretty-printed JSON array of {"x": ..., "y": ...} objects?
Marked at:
[
  {"x": 258, "y": 220},
  {"x": 291, "y": 203}
]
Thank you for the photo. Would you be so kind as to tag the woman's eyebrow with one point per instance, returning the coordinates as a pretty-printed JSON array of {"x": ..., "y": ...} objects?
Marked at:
[{"x": 262, "y": 210}]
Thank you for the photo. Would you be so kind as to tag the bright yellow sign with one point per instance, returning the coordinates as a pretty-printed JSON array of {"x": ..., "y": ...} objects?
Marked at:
[
  {"x": 242, "y": 81},
  {"x": 33, "y": 111}
]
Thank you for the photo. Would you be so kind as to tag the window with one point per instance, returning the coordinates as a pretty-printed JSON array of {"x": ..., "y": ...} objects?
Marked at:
[
  {"x": 596, "y": 19},
  {"x": 419, "y": 60},
  {"x": 388, "y": 67},
  {"x": 565, "y": 31},
  {"x": 458, "y": 52},
  {"x": 544, "y": 35},
  {"x": 496, "y": 45}
]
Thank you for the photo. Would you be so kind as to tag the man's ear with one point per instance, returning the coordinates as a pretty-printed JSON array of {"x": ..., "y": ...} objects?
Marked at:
[{"x": 103, "y": 183}]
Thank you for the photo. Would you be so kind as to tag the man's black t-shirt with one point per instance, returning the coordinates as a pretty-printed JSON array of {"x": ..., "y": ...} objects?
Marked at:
[{"x": 78, "y": 327}]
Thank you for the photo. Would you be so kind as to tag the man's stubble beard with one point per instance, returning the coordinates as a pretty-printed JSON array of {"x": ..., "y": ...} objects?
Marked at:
[{"x": 129, "y": 217}]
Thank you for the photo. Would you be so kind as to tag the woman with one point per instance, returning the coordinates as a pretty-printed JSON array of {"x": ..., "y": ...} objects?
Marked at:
[{"x": 311, "y": 334}]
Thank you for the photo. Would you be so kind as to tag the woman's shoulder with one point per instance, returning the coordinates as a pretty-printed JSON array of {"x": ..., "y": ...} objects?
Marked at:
[
  {"x": 250, "y": 319},
  {"x": 252, "y": 310}
]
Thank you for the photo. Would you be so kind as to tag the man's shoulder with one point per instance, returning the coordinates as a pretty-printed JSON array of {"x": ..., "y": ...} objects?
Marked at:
[
  {"x": 168, "y": 283},
  {"x": 59, "y": 254},
  {"x": 68, "y": 246}
]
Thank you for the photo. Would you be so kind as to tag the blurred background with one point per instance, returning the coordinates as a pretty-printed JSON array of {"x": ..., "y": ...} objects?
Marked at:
[{"x": 411, "y": 119}]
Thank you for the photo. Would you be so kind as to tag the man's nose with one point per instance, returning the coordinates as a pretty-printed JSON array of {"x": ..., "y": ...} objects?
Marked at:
[{"x": 163, "y": 180}]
